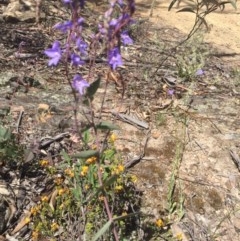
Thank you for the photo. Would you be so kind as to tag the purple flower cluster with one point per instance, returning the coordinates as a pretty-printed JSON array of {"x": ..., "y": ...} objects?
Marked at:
[{"x": 111, "y": 31}]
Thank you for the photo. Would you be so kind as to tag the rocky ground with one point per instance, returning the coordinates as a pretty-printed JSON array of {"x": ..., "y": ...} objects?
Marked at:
[{"x": 188, "y": 157}]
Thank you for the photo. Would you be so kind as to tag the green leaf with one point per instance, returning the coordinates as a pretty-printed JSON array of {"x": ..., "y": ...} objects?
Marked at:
[
  {"x": 171, "y": 4},
  {"x": 92, "y": 89},
  {"x": 126, "y": 216},
  {"x": 233, "y": 3},
  {"x": 105, "y": 125},
  {"x": 86, "y": 137},
  {"x": 189, "y": 10},
  {"x": 102, "y": 230},
  {"x": 5, "y": 134},
  {"x": 86, "y": 154},
  {"x": 110, "y": 180}
]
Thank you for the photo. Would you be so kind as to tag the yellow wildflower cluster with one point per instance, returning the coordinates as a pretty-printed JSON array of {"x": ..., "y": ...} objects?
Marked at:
[
  {"x": 69, "y": 172},
  {"x": 159, "y": 223},
  {"x": 84, "y": 171},
  {"x": 35, "y": 210},
  {"x": 54, "y": 227},
  {"x": 118, "y": 170},
  {"x": 44, "y": 163},
  {"x": 91, "y": 160}
]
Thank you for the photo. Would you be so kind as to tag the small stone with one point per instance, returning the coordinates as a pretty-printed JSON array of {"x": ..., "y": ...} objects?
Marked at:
[{"x": 156, "y": 134}]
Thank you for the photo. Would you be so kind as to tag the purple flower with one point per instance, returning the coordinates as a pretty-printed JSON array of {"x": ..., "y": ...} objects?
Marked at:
[
  {"x": 114, "y": 58},
  {"x": 82, "y": 46},
  {"x": 72, "y": 1},
  {"x": 64, "y": 26},
  {"x": 131, "y": 5},
  {"x": 76, "y": 60},
  {"x": 80, "y": 21},
  {"x": 54, "y": 53},
  {"x": 79, "y": 84},
  {"x": 199, "y": 72},
  {"x": 126, "y": 40},
  {"x": 171, "y": 92}
]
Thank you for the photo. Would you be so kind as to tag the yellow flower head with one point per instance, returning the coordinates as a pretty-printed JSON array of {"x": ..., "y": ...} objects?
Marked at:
[
  {"x": 159, "y": 223},
  {"x": 118, "y": 188},
  {"x": 27, "y": 220},
  {"x": 35, "y": 235},
  {"x": 113, "y": 138},
  {"x": 179, "y": 237},
  {"x": 35, "y": 210},
  {"x": 61, "y": 191},
  {"x": 58, "y": 180},
  {"x": 101, "y": 198},
  {"x": 69, "y": 172},
  {"x": 124, "y": 213},
  {"x": 91, "y": 160},
  {"x": 44, "y": 163},
  {"x": 119, "y": 169},
  {"x": 44, "y": 198},
  {"x": 54, "y": 226},
  {"x": 84, "y": 171},
  {"x": 134, "y": 178}
]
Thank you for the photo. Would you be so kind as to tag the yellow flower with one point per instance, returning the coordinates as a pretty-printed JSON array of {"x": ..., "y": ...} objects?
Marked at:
[
  {"x": 54, "y": 226},
  {"x": 159, "y": 223},
  {"x": 118, "y": 188},
  {"x": 44, "y": 163},
  {"x": 179, "y": 237},
  {"x": 35, "y": 210},
  {"x": 84, "y": 171},
  {"x": 124, "y": 213},
  {"x": 134, "y": 178},
  {"x": 69, "y": 172},
  {"x": 35, "y": 235},
  {"x": 101, "y": 198},
  {"x": 61, "y": 191},
  {"x": 62, "y": 206},
  {"x": 27, "y": 220},
  {"x": 44, "y": 198},
  {"x": 113, "y": 138},
  {"x": 91, "y": 160},
  {"x": 119, "y": 169},
  {"x": 58, "y": 180}
]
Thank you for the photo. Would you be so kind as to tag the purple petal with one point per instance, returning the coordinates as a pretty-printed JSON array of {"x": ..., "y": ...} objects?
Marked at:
[
  {"x": 171, "y": 92},
  {"x": 79, "y": 84},
  {"x": 82, "y": 46},
  {"x": 76, "y": 60},
  {"x": 199, "y": 72},
  {"x": 126, "y": 40},
  {"x": 54, "y": 53},
  {"x": 64, "y": 26},
  {"x": 114, "y": 58}
]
